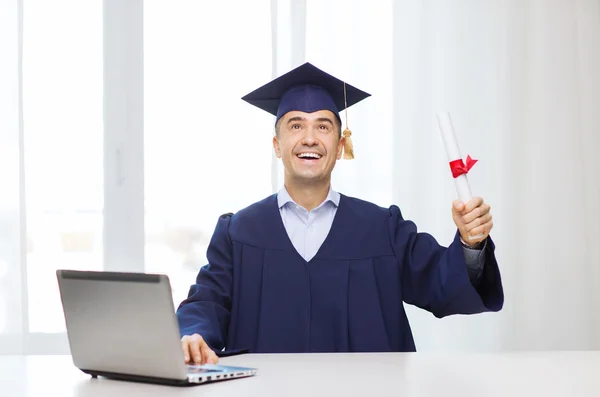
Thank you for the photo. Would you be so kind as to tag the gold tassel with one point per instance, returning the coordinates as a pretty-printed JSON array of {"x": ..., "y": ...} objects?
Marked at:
[{"x": 348, "y": 146}]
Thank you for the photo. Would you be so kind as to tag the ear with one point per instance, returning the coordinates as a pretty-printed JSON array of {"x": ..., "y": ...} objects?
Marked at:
[
  {"x": 340, "y": 148},
  {"x": 276, "y": 147}
]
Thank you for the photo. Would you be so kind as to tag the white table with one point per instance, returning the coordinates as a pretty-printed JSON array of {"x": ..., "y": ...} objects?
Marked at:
[{"x": 545, "y": 374}]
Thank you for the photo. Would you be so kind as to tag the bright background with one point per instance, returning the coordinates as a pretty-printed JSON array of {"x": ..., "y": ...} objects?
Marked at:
[{"x": 123, "y": 137}]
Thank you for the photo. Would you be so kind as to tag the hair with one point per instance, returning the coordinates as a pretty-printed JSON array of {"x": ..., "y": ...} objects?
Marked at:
[{"x": 336, "y": 122}]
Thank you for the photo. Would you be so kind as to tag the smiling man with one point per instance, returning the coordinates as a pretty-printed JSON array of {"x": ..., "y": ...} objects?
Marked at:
[{"x": 311, "y": 270}]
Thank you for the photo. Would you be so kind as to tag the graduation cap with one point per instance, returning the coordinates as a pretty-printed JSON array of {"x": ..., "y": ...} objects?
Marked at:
[{"x": 308, "y": 89}]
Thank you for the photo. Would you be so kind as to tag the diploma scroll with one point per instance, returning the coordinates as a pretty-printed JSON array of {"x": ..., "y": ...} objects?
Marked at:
[{"x": 457, "y": 166}]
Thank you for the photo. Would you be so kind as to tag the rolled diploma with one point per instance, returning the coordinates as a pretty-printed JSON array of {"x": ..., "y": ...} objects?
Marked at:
[{"x": 453, "y": 152}]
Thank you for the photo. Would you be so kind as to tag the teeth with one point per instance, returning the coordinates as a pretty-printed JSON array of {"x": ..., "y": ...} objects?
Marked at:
[{"x": 309, "y": 155}]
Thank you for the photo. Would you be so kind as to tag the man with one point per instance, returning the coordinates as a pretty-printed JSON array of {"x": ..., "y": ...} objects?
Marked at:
[{"x": 312, "y": 270}]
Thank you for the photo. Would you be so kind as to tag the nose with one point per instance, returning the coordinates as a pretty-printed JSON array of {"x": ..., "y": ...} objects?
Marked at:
[{"x": 309, "y": 138}]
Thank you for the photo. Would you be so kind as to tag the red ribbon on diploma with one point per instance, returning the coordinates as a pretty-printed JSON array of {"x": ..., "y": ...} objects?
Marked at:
[{"x": 458, "y": 167}]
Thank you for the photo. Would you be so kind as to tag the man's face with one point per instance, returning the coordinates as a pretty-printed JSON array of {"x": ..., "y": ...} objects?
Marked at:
[{"x": 308, "y": 144}]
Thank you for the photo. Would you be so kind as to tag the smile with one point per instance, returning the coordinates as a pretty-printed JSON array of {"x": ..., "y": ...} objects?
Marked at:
[{"x": 309, "y": 156}]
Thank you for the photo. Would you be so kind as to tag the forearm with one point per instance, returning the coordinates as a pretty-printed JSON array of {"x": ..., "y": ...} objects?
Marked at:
[
  {"x": 201, "y": 314},
  {"x": 207, "y": 308},
  {"x": 475, "y": 260}
]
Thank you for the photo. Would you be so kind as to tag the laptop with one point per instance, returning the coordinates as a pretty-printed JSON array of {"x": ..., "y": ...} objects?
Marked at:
[{"x": 123, "y": 326}]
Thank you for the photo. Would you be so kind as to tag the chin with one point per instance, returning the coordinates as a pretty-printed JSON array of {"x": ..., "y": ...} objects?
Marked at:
[{"x": 310, "y": 177}]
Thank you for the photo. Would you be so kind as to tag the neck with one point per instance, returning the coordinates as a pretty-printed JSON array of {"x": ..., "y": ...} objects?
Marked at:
[{"x": 308, "y": 195}]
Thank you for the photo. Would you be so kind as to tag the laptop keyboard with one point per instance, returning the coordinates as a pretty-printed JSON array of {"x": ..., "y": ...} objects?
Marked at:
[{"x": 193, "y": 369}]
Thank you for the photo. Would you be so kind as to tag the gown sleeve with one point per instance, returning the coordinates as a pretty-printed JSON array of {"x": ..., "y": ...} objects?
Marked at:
[
  {"x": 436, "y": 279},
  {"x": 206, "y": 310}
]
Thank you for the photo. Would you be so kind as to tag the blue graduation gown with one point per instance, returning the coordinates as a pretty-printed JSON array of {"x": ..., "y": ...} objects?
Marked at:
[{"x": 257, "y": 294}]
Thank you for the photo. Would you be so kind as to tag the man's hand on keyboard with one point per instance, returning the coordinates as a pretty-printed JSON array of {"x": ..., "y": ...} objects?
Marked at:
[{"x": 196, "y": 351}]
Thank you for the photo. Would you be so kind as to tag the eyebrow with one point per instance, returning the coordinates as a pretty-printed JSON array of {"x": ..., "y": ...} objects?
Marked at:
[
  {"x": 320, "y": 119},
  {"x": 325, "y": 119},
  {"x": 297, "y": 118}
]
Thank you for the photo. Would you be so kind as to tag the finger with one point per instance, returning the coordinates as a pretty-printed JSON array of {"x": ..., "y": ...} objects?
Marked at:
[
  {"x": 482, "y": 220},
  {"x": 473, "y": 203},
  {"x": 214, "y": 359},
  {"x": 206, "y": 352},
  {"x": 475, "y": 213},
  {"x": 186, "y": 350},
  {"x": 208, "y": 356},
  {"x": 483, "y": 229},
  {"x": 195, "y": 350},
  {"x": 458, "y": 206}
]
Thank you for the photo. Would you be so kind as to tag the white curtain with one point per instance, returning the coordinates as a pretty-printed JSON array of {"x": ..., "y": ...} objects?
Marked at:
[{"x": 520, "y": 79}]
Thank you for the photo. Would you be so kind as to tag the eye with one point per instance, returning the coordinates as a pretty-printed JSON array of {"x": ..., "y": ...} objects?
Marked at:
[
  {"x": 324, "y": 127},
  {"x": 296, "y": 126}
]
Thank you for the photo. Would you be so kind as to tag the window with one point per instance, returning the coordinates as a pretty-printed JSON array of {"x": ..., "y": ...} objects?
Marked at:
[
  {"x": 63, "y": 138},
  {"x": 207, "y": 152}
]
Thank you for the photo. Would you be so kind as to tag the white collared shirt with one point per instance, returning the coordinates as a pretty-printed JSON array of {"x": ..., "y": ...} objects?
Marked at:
[{"x": 307, "y": 230}]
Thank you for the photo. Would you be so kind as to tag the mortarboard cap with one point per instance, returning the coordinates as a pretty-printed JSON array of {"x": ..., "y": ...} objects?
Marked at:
[{"x": 307, "y": 89}]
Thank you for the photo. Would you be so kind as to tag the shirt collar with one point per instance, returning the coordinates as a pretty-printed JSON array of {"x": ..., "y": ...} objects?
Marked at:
[{"x": 283, "y": 197}]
